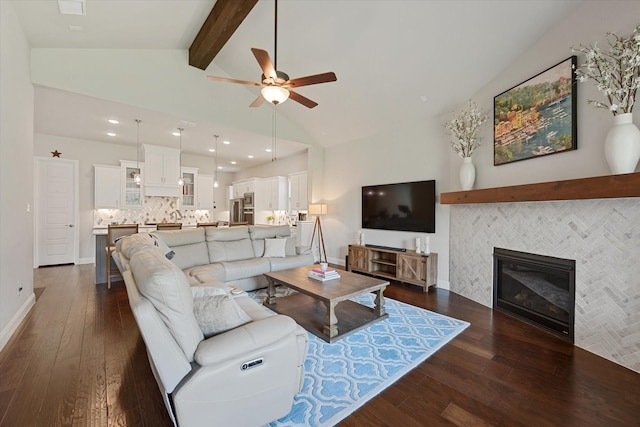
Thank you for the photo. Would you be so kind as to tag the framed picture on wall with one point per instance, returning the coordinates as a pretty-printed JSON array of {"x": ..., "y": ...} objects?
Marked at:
[{"x": 537, "y": 117}]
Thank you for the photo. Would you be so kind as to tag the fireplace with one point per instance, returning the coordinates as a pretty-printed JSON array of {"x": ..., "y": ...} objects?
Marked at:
[{"x": 537, "y": 289}]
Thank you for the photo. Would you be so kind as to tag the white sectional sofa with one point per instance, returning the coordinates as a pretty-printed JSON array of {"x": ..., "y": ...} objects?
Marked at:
[
  {"x": 229, "y": 256},
  {"x": 245, "y": 375}
]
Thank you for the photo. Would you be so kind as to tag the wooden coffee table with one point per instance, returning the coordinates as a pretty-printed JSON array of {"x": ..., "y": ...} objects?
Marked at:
[{"x": 323, "y": 308}]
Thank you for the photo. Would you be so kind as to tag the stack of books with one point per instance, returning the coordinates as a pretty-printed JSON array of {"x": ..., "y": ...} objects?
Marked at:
[{"x": 325, "y": 275}]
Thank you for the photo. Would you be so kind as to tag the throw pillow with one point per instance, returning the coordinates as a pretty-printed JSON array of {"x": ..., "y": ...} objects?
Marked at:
[
  {"x": 274, "y": 248},
  {"x": 216, "y": 311}
]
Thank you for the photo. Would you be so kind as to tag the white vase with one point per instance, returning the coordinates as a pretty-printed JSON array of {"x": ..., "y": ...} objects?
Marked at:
[
  {"x": 467, "y": 174},
  {"x": 622, "y": 145}
]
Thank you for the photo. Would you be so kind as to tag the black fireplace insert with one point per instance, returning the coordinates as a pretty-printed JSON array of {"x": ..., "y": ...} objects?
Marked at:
[{"x": 538, "y": 289}]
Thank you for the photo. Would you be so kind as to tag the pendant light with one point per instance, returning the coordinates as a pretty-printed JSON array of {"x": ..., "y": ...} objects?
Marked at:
[
  {"x": 215, "y": 173},
  {"x": 180, "y": 180},
  {"x": 137, "y": 178}
]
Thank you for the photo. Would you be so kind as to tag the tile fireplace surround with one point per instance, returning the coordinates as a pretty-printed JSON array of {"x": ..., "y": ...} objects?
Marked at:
[{"x": 602, "y": 235}]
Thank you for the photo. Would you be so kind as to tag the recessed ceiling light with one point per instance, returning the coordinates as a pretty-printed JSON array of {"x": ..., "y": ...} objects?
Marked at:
[
  {"x": 268, "y": 150},
  {"x": 424, "y": 98},
  {"x": 72, "y": 7},
  {"x": 212, "y": 150},
  {"x": 175, "y": 133},
  {"x": 233, "y": 162},
  {"x": 113, "y": 121},
  {"x": 219, "y": 167},
  {"x": 250, "y": 156},
  {"x": 111, "y": 134},
  {"x": 75, "y": 28},
  {"x": 226, "y": 142}
]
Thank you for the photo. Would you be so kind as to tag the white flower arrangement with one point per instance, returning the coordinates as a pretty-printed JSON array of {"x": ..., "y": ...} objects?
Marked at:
[
  {"x": 616, "y": 72},
  {"x": 464, "y": 127}
]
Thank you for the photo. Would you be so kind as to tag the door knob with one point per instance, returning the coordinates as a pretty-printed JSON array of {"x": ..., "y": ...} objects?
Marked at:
[{"x": 70, "y": 225}]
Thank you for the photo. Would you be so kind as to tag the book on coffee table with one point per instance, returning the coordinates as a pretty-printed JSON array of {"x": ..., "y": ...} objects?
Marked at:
[{"x": 321, "y": 275}]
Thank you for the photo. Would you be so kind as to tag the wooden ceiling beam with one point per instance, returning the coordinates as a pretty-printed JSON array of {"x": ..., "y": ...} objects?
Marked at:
[{"x": 225, "y": 17}]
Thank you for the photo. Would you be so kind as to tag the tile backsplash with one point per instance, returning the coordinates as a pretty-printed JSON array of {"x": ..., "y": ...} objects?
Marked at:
[{"x": 156, "y": 209}]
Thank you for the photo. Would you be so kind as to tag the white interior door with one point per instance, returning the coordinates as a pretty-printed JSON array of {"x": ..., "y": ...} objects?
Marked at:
[{"x": 56, "y": 205}]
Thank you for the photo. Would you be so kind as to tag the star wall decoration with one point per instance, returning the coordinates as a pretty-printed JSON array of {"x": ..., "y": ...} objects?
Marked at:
[{"x": 55, "y": 154}]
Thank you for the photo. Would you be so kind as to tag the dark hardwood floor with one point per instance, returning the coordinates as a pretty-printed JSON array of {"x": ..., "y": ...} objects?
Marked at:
[{"x": 78, "y": 359}]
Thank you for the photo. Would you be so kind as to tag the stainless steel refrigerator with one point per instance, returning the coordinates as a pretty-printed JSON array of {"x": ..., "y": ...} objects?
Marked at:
[{"x": 236, "y": 214}]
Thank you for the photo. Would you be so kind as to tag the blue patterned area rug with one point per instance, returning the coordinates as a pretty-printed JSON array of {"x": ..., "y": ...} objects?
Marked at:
[{"x": 343, "y": 376}]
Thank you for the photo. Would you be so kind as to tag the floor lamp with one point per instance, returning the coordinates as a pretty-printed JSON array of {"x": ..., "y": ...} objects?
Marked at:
[{"x": 317, "y": 210}]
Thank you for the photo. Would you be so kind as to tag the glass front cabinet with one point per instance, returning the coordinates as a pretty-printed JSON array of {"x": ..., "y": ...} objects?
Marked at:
[
  {"x": 132, "y": 192},
  {"x": 190, "y": 177}
]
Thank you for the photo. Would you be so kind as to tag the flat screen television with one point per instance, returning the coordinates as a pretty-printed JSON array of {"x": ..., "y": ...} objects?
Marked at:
[{"x": 407, "y": 206}]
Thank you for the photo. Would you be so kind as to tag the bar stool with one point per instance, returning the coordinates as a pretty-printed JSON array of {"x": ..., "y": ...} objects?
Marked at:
[
  {"x": 169, "y": 226},
  {"x": 114, "y": 232}
]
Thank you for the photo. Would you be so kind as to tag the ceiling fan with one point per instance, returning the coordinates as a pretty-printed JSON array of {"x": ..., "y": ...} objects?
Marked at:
[{"x": 276, "y": 84}]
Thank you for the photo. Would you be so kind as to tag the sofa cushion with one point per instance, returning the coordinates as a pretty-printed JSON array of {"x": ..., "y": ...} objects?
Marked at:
[
  {"x": 188, "y": 246},
  {"x": 269, "y": 231},
  {"x": 216, "y": 311},
  {"x": 166, "y": 286},
  {"x": 274, "y": 248},
  {"x": 278, "y": 264},
  {"x": 206, "y": 273},
  {"x": 186, "y": 236},
  {"x": 229, "y": 244},
  {"x": 131, "y": 243},
  {"x": 254, "y": 310},
  {"x": 246, "y": 268}
]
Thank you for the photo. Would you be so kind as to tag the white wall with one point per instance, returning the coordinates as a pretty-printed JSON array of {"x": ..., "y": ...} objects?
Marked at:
[
  {"x": 414, "y": 152},
  {"x": 586, "y": 25},
  {"x": 16, "y": 174},
  {"x": 279, "y": 167}
]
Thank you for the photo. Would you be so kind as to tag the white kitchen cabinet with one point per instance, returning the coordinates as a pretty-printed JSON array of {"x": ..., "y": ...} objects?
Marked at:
[
  {"x": 107, "y": 191},
  {"x": 131, "y": 192},
  {"x": 273, "y": 194},
  {"x": 298, "y": 187},
  {"x": 205, "y": 192},
  {"x": 162, "y": 170},
  {"x": 244, "y": 186},
  {"x": 189, "y": 199}
]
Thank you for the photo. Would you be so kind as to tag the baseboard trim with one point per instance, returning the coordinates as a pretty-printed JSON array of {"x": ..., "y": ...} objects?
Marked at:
[
  {"x": 87, "y": 260},
  {"x": 15, "y": 321}
]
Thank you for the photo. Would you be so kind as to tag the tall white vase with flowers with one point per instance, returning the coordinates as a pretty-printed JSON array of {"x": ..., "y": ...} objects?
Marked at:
[
  {"x": 617, "y": 76},
  {"x": 464, "y": 128}
]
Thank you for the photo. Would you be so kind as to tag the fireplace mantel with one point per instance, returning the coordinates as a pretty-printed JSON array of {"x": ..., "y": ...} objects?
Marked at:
[{"x": 600, "y": 187}]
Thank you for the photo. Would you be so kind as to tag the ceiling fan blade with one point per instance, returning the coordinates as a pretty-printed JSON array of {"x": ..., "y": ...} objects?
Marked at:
[
  {"x": 228, "y": 80},
  {"x": 265, "y": 62},
  {"x": 302, "y": 100},
  {"x": 312, "y": 80},
  {"x": 258, "y": 101}
]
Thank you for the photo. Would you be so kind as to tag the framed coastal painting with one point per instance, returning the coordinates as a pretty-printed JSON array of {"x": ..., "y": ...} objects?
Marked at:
[{"x": 537, "y": 117}]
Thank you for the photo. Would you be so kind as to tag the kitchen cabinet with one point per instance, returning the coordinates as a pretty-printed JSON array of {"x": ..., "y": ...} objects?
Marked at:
[
  {"x": 298, "y": 192},
  {"x": 107, "y": 191},
  {"x": 244, "y": 186},
  {"x": 205, "y": 192},
  {"x": 162, "y": 170},
  {"x": 132, "y": 195},
  {"x": 273, "y": 194},
  {"x": 189, "y": 199}
]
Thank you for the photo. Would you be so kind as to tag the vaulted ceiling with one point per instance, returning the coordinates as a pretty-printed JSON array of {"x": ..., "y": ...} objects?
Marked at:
[{"x": 396, "y": 61}]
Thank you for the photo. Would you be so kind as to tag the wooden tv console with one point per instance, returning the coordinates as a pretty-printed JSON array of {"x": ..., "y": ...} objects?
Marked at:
[{"x": 407, "y": 267}]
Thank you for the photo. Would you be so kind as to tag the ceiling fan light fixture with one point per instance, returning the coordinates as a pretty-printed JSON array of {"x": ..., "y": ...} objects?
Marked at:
[{"x": 275, "y": 94}]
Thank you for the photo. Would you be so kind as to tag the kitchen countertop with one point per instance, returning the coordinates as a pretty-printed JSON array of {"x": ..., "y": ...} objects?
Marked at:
[{"x": 142, "y": 228}]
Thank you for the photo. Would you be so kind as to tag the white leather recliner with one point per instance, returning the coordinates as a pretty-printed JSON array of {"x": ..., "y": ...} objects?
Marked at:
[{"x": 246, "y": 376}]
